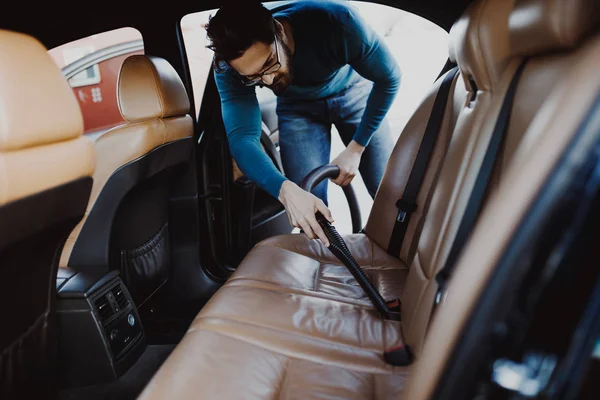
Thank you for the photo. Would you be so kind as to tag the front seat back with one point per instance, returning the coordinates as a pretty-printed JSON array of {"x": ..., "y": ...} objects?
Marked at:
[
  {"x": 126, "y": 227},
  {"x": 45, "y": 183}
]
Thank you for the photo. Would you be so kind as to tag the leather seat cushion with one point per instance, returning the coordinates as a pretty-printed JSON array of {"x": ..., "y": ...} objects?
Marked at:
[
  {"x": 321, "y": 337},
  {"x": 313, "y": 301},
  {"x": 296, "y": 262},
  {"x": 250, "y": 371}
]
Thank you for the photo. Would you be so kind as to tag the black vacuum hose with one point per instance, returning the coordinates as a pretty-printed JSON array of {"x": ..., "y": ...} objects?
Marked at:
[
  {"x": 326, "y": 171},
  {"x": 336, "y": 244},
  {"x": 338, "y": 247}
]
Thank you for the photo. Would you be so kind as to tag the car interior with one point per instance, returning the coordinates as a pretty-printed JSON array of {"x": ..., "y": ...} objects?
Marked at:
[{"x": 141, "y": 263}]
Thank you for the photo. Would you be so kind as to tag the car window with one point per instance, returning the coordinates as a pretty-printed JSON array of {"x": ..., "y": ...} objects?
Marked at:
[
  {"x": 92, "y": 65},
  {"x": 420, "y": 48}
]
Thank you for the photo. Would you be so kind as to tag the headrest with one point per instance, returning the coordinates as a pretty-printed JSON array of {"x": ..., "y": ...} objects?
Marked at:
[
  {"x": 148, "y": 88},
  {"x": 479, "y": 42},
  {"x": 37, "y": 105},
  {"x": 539, "y": 26}
]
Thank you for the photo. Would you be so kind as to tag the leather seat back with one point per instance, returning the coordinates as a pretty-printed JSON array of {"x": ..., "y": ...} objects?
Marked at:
[
  {"x": 479, "y": 45},
  {"x": 559, "y": 87},
  {"x": 45, "y": 183},
  {"x": 490, "y": 59},
  {"x": 126, "y": 224}
]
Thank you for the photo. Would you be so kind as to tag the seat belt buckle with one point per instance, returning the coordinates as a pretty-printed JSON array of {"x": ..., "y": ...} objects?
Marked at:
[
  {"x": 404, "y": 207},
  {"x": 393, "y": 305},
  {"x": 394, "y": 313}
]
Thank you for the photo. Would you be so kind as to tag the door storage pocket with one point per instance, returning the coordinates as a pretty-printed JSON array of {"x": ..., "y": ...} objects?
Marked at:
[{"x": 145, "y": 268}]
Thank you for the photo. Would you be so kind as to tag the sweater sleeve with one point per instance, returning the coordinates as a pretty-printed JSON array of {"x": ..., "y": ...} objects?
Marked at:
[
  {"x": 368, "y": 54},
  {"x": 242, "y": 120}
]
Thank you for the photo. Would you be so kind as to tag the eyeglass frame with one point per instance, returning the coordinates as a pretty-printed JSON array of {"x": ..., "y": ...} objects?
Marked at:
[{"x": 267, "y": 71}]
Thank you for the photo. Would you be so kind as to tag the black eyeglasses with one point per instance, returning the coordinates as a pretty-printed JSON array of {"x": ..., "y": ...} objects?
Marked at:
[{"x": 252, "y": 80}]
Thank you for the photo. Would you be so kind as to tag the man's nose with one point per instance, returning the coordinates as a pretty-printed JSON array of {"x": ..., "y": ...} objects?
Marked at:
[{"x": 268, "y": 79}]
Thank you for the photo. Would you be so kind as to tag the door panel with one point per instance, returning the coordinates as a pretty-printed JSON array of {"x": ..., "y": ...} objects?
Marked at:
[{"x": 236, "y": 212}]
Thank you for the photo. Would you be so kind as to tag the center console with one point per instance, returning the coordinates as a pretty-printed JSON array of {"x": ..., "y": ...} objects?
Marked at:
[{"x": 101, "y": 336}]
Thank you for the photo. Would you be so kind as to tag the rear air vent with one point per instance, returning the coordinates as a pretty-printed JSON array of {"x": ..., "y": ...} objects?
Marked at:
[
  {"x": 111, "y": 303},
  {"x": 104, "y": 308},
  {"x": 120, "y": 297}
]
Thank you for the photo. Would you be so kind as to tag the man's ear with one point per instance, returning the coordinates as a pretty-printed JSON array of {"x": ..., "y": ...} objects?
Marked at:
[{"x": 279, "y": 28}]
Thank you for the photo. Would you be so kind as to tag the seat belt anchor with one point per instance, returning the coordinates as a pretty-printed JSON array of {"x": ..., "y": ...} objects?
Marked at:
[
  {"x": 438, "y": 296},
  {"x": 394, "y": 313}
]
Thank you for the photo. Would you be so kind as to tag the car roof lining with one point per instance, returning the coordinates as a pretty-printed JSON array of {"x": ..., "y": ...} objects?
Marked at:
[{"x": 58, "y": 23}]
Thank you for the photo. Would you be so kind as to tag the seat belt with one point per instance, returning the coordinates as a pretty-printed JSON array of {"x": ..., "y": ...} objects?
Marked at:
[
  {"x": 480, "y": 187},
  {"x": 402, "y": 355},
  {"x": 407, "y": 204}
]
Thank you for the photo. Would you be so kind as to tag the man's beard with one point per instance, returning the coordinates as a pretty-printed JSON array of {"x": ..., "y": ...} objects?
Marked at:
[{"x": 283, "y": 80}]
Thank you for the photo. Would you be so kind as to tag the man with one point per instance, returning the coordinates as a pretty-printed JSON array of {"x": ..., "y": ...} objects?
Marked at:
[{"x": 326, "y": 66}]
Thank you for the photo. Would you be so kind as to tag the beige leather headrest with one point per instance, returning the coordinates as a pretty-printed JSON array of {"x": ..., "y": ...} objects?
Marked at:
[
  {"x": 539, "y": 26},
  {"x": 37, "y": 105},
  {"x": 150, "y": 88},
  {"x": 479, "y": 42}
]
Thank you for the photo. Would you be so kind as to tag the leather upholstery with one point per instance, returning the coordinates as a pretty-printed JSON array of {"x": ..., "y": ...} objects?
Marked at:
[
  {"x": 32, "y": 170},
  {"x": 45, "y": 181},
  {"x": 312, "y": 268},
  {"x": 464, "y": 156},
  {"x": 152, "y": 97},
  {"x": 305, "y": 342},
  {"x": 543, "y": 144},
  {"x": 480, "y": 42},
  {"x": 379, "y": 226},
  {"x": 459, "y": 171},
  {"x": 540, "y": 26},
  {"x": 247, "y": 370},
  {"x": 37, "y": 107},
  {"x": 149, "y": 88},
  {"x": 288, "y": 303}
]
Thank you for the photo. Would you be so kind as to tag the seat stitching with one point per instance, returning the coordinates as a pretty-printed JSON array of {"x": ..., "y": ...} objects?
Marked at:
[
  {"x": 297, "y": 334},
  {"x": 420, "y": 264},
  {"x": 374, "y": 391},
  {"x": 274, "y": 287},
  {"x": 453, "y": 200},
  {"x": 280, "y": 394},
  {"x": 479, "y": 52},
  {"x": 164, "y": 129},
  {"x": 381, "y": 268},
  {"x": 384, "y": 268},
  {"x": 304, "y": 292},
  {"x": 339, "y": 263},
  {"x": 421, "y": 294},
  {"x": 334, "y": 261},
  {"x": 159, "y": 92},
  {"x": 467, "y": 159},
  {"x": 213, "y": 329},
  {"x": 317, "y": 280},
  {"x": 390, "y": 371}
]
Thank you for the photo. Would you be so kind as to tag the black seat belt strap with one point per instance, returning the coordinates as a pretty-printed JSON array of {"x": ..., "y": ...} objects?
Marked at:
[
  {"x": 480, "y": 187},
  {"x": 407, "y": 204}
]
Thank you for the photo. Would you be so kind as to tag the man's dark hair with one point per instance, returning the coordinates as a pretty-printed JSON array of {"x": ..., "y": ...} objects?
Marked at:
[{"x": 237, "y": 26}]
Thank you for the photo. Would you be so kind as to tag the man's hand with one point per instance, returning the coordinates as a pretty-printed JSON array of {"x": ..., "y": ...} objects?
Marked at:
[
  {"x": 348, "y": 161},
  {"x": 301, "y": 207}
]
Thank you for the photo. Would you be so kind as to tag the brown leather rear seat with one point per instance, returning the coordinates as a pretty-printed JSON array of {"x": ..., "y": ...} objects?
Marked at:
[{"x": 291, "y": 321}]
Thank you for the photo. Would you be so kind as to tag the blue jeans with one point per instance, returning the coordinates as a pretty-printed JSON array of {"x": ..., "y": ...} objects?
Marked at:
[{"x": 305, "y": 135}]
